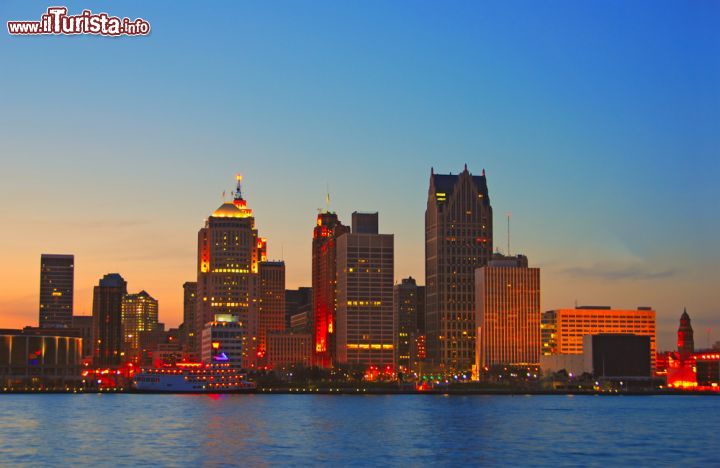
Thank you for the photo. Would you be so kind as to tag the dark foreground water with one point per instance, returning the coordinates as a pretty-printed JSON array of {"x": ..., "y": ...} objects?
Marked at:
[{"x": 358, "y": 430}]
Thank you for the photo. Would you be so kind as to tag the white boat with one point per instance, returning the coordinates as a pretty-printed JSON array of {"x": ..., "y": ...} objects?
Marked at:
[{"x": 192, "y": 377}]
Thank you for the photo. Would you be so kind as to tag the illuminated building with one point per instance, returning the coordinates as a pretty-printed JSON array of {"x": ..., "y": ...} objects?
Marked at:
[
  {"x": 507, "y": 295},
  {"x": 139, "y": 314},
  {"x": 224, "y": 340},
  {"x": 408, "y": 307},
  {"x": 189, "y": 305},
  {"x": 365, "y": 317},
  {"x": 288, "y": 348},
  {"x": 324, "y": 280},
  {"x": 40, "y": 357},
  {"x": 686, "y": 342},
  {"x": 270, "y": 302},
  {"x": 107, "y": 320},
  {"x": 564, "y": 329},
  {"x": 229, "y": 253},
  {"x": 458, "y": 240},
  {"x": 297, "y": 301},
  {"x": 56, "y": 290}
]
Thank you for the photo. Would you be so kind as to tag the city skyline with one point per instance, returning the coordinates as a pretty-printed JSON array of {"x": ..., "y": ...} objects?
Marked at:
[{"x": 611, "y": 182}]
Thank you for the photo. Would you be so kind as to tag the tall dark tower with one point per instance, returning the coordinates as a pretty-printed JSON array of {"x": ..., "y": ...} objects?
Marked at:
[
  {"x": 686, "y": 343},
  {"x": 107, "y": 320},
  {"x": 458, "y": 239}
]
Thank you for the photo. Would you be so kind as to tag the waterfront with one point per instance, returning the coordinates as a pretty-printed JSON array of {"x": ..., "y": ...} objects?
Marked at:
[{"x": 128, "y": 429}]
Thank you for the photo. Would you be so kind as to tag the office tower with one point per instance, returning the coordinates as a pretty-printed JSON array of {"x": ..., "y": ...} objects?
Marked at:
[
  {"x": 270, "y": 302},
  {"x": 229, "y": 251},
  {"x": 406, "y": 303},
  {"x": 458, "y": 239},
  {"x": 189, "y": 304},
  {"x": 324, "y": 280},
  {"x": 685, "y": 340},
  {"x": 297, "y": 301},
  {"x": 507, "y": 297},
  {"x": 563, "y": 329},
  {"x": 421, "y": 310},
  {"x": 139, "y": 314},
  {"x": 56, "y": 290},
  {"x": 365, "y": 318},
  {"x": 107, "y": 320},
  {"x": 84, "y": 325}
]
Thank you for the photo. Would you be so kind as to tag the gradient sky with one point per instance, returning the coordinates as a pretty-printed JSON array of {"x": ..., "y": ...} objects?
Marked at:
[{"x": 598, "y": 124}]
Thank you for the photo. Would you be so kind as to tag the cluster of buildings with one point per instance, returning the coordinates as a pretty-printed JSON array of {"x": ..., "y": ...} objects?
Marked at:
[{"x": 478, "y": 310}]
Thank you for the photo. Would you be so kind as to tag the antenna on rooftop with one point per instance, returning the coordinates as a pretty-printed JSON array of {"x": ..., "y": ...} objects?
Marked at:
[
  {"x": 327, "y": 198},
  {"x": 508, "y": 232}
]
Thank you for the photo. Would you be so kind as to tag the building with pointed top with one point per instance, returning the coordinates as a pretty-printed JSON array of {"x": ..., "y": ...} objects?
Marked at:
[
  {"x": 229, "y": 254},
  {"x": 685, "y": 339},
  {"x": 458, "y": 240}
]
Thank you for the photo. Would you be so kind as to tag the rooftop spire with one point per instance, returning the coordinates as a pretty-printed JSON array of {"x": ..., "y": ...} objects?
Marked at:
[{"x": 238, "y": 190}]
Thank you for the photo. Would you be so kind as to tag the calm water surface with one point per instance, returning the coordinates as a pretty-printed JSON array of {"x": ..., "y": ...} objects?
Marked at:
[{"x": 358, "y": 430}]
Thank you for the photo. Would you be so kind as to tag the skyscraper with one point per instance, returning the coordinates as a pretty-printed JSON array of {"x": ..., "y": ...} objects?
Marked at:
[
  {"x": 686, "y": 341},
  {"x": 324, "y": 281},
  {"x": 297, "y": 301},
  {"x": 229, "y": 253},
  {"x": 406, "y": 302},
  {"x": 107, "y": 320},
  {"x": 189, "y": 304},
  {"x": 366, "y": 329},
  {"x": 507, "y": 296},
  {"x": 270, "y": 302},
  {"x": 458, "y": 239},
  {"x": 56, "y": 290},
  {"x": 139, "y": 315}
]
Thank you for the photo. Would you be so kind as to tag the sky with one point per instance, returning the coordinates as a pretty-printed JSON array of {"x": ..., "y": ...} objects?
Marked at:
[{"x": 598, "y": 125}]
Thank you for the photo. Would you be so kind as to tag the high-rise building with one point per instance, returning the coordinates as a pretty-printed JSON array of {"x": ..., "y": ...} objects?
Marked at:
[
  {"x": 107, "y": 320},
  {"x": 407, "y": 301},
  {"x": 686, "y": 341},
  {"x": 458, "y": 240},
  {"x": 224, "y": 340},
  {"x": 324, "y": 282},
  {"x": 229, "y": 253},
  {"x": 57, "y": 274},
  {"x": 139, "y": 314},
  {"x": 188, "y": 329},
  {"x": 297, "y": 301},
  {"x": 507, "y": 297},
  {"x": 366, "y": 329},
  {"x": 563, "y": 329},
  {"x": 270, "y": 302}
]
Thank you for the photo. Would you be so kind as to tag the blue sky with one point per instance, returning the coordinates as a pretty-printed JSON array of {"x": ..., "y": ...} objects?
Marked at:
[{"x": 598, "y": 124}]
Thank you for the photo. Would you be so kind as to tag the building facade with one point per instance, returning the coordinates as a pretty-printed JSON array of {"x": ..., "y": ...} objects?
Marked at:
[
  {"x": 507, "y": 296},
  {"x": 57, "y": 275},
  {"x": 686, "y": 340},
  {"x": 188, "y": 330},
  {"x": 324, "y": 285},
  {"x": 107, "y": 320},
  {"x": 37, "y": 358},
  {"x": 297, "y": 301},
  {"x": 224, "y": 341},
  {"x": 139, "y": 315},
  {"x": 408, "y": 307},
  {"x": 229, "y": 253},
  {"x": 84, "y": 325},
  {"x": 270, "y": 302},
  {"x": 287, "y": 348},
  {"x": 366, "y": 328},
  {"x": 458, "y": 240},
  {"x": 564, "y": 329}
]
